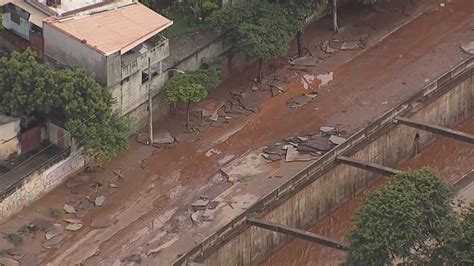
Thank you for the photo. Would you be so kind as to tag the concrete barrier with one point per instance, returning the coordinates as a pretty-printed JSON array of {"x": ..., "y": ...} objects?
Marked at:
[
  {"x": 39, "y": 181},
  {"x": 325, "y": 185}
]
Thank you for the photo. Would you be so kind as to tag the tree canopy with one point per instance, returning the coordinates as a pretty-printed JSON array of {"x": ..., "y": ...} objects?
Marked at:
[
  {"x": 29, "y": 89},
  {"x": 459, "y": 245},
  {"x": 191, "y": 86},
  {"x": 410, "y": 220},
  {"x": 263, "y": 29}
]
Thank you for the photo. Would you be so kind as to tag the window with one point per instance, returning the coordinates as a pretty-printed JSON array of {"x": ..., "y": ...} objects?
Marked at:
[
  {"x": 15, "y": 18},
  {"x": 37, "y": 30},
  {"x": 145, "y": 76}
]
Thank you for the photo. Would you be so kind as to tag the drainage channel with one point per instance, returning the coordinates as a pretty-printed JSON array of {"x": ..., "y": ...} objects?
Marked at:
[{"x": 452, "y": 158}]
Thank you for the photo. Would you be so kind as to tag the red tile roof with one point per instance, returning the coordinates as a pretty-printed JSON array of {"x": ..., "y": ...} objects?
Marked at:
[{"x": 113, "y": 30}]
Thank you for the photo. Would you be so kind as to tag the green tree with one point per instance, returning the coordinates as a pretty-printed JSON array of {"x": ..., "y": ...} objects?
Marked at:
[
  {"x": 87, "y": 107},
  {"x": 179, "y": 91},
  {"x": 148, "y": 3},
  {"x": 459, "y": 241},
  {"x": 102, "y": 141},
  {"x": 192, "y": 86},
  {"x": 29, "y": 89},
  {"x": 258, "y": 27},
  {"x": 407, "y": 220},
  {"x": 26, "y": 86},
  {"x": 298, "y": 12}
]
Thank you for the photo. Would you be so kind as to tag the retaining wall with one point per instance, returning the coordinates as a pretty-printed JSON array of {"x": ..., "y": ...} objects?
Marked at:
[
  {"x": 325, "y": 185},
  {"x": 39, "y": 182}
]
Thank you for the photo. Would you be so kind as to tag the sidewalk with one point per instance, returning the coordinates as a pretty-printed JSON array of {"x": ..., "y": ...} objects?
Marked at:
[{"x": 149, "y": 209}]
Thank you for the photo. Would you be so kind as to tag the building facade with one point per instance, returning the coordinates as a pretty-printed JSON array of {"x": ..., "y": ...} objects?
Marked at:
[{"x": 118, "y": 42}]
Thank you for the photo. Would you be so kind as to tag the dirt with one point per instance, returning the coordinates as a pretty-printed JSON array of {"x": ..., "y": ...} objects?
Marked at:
[
  {"x": 150, "y": 205},
  {"x": 455, "y": 160}
]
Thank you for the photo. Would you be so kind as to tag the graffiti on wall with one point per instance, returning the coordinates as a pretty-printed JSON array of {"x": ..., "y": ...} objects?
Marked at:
[
  {"x": 63, "y": 168},
  {"x": 39, "y": 184}
]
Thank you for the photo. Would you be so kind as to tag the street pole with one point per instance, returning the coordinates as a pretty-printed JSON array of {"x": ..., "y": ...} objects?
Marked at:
[
  {"x": 150, "y": 105},
  {"x": 335, "y": 27}
]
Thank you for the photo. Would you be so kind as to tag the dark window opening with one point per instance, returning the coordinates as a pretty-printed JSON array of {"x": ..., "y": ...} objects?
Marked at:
[
  {"x": 15, "y": 18},
  {"x": 145, "y": 77},
  {"x": 417, "y": 137},
  {"x": 36, "y": 30}
]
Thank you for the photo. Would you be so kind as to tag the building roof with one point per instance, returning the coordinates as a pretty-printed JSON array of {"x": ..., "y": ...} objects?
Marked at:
[
  {"x": 65, "y": 6},
  {"x": 113, "y": 30},
  {"x": 36, "y": 16}
]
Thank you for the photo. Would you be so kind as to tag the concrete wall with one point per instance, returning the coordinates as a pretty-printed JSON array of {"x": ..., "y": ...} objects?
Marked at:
[
  {"x": 132, "y": 93},
  {"x": 215, "y": 48},
  {"x": 9, "y": 143},
  {"x": 325, "y": 185},
  {"x": 59, "y": 136},
  {"x": 68, "y": 51},
  {"x": 23, "y": 29},
  {"x": 140, "y": 115},
  {"x": 114, "y": 69},
  {"x": 39, "y": 184}
]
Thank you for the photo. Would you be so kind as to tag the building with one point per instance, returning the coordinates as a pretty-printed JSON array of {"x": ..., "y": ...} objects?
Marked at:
[
  {"x": 23, "y": 23},
  {"x": 117, "y": 41},
  {"x": 9, "y": 142}
]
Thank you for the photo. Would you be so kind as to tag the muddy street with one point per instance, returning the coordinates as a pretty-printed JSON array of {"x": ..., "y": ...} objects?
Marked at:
[
  {"x": 153, "y": 189},
  {"x": 451, "y": 158}
]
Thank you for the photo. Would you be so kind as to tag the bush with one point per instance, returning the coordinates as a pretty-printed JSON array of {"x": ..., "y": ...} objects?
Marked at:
[
  {"x": 56, "y": 213},
  {"x": 15, "y": 238},
  {"x": 208, "y": 8}
]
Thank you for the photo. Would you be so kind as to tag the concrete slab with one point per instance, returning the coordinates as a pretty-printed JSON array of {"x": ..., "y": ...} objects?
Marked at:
[
  {"x": 208, "y": 107},
  {"x": 247, "y": 167},
  {"x": 163, "y": 137},
  {"x": 293, "y": 155},
  {"x": 468, "y": 47}
]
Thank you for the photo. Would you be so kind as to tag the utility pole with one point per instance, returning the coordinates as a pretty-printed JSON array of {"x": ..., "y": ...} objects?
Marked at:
[
  {"x": 335, "y": 27},
  {"x": 150, "y": 105}
]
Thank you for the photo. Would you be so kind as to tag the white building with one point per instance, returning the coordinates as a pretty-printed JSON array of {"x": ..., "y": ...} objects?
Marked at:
[
  {"x": 9, "y": 130},
  {"x": 117, "y": 41}
]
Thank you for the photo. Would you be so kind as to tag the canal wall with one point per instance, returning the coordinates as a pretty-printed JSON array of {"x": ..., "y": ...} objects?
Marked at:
[{"x": 322, "y": 187}]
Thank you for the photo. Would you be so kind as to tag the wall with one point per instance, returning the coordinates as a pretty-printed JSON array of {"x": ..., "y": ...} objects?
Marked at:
[
  {"x": 132, "y": 93},
  {"x": 58, "y": 136},
  {"x": 114, "y": 69},
  {"x": 215, "y": 48},
  {"x": 22, "y": 29},
  {"x": 39, "y": 184},
  {"x": 325, "y": 185},
  {"x": 9, "y": 143},
  {"x": 68, "y": 51},
  {"x": 140, "y": 115}
]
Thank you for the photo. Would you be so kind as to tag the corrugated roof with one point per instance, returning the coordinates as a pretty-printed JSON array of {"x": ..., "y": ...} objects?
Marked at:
[
  {"x": 36, "y": 16},
  {"x": 113, "y": 30}
]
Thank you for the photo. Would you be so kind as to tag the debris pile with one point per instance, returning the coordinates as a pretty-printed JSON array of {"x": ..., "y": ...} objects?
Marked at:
[
  {"x": 302, "y": 100},
  {"x": 202, "y": 210},
  {"x": 305, "y": 148}
]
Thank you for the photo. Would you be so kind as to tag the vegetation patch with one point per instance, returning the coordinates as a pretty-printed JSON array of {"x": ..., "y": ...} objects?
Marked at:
[
  {"x": 56, "y": 213},
  {"x": 15, "y": 238}
]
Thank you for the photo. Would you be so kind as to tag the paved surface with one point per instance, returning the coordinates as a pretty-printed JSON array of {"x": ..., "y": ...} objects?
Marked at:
[{"x": 150, "y": 205}]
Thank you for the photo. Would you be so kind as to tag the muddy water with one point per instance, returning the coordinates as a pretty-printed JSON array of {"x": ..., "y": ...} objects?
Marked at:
[{"x": 452, "y": 158}]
